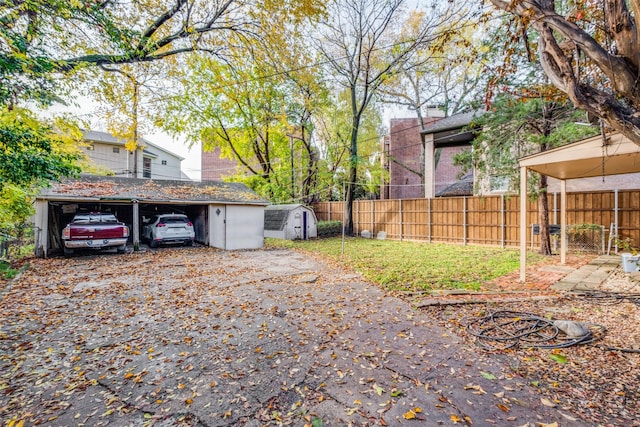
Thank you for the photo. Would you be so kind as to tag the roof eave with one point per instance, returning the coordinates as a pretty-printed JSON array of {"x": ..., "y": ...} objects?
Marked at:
[{"x": 82, "y": 199}]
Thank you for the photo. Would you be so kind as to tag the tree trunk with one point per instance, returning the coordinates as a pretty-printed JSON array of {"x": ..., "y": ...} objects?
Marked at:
[
  {"x": 543, "y": 212},
  {"x": 353, "y": 174}
]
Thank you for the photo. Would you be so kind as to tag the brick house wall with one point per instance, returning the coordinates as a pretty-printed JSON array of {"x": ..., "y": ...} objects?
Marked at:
[
  {"x": 404, "y": 145},
  {"x": 446, "y": 172},
  {"x": 214, "y": 167}
]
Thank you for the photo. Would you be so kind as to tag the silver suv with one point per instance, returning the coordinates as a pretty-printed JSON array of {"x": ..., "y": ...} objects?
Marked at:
[{"x": 169, "y": 228}]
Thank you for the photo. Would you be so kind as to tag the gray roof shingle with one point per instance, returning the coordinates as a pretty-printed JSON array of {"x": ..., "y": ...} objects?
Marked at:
[
  {"x": 275, "y": 216},
  {"x": 462, "y": 187},
  {"x": 456, "y": 121}
]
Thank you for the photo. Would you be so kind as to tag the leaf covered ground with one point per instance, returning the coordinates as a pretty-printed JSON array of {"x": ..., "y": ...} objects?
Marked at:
[
  {"x": 601, "y": 385},
  {"x": 200, "y": 337},
  {"x": 600, "y": 380}
]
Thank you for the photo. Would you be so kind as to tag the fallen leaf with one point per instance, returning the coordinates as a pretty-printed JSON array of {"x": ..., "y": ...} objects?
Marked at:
[
  {"x": 569, "y": 417},
  {"x": 410, "y": 415},
  {"x": 503, "y": 407},
  {"x": 379, "y": 390},
  {"x": 488, "y": 375},
  {"x": 477, "y": 388},
  {"x": 558, "y": 358},
  {"x": 547, "y": 402}
]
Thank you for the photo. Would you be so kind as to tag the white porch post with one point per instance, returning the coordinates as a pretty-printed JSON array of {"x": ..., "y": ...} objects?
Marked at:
[
  {"x": 429, "y": 167},
  {"x": 523, "y": 223},
  {"x": 563, "y": 221}
]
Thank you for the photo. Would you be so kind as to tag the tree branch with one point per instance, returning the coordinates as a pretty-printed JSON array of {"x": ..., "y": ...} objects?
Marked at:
[{"x": 162, "y": 19}]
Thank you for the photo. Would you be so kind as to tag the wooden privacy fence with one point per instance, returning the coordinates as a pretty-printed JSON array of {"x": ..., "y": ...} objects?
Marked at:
[{"x": 492, "y": 220}]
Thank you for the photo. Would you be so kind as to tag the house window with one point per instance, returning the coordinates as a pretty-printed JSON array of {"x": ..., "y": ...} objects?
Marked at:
[
  {"x": 164, "y": 162},
  {"x": 116, "y": 149},
  {"x": 500, "y": 184},
  {"x": 146, "y": 167}
]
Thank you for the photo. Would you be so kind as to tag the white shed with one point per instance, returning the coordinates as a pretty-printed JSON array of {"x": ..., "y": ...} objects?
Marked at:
[{"x": 290, "y": 222}]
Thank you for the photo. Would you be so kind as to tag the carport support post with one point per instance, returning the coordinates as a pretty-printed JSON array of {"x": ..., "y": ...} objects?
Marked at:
[
  {"x": 136, "y": 226},
  {"x": 523, "y": 223},
  {"x": 563, "y": 221}
]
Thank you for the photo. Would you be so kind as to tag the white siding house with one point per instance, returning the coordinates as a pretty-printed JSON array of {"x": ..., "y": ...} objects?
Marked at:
[
  {"x": 148, "y": 161},
  {"x": 290, "y": 222}
]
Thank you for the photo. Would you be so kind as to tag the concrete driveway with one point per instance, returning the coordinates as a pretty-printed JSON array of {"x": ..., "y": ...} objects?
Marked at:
[{"x": 250, "y": 338}]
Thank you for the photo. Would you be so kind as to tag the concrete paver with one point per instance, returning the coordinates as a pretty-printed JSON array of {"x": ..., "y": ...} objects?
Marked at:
[{"x": 590, "y": 276}]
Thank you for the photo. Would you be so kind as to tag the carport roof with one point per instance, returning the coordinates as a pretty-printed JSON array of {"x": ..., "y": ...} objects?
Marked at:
[
  {"x": 597, "y": 156},
  {"x": 98, "y": 188},
  {"x": 587, "y": 158}
]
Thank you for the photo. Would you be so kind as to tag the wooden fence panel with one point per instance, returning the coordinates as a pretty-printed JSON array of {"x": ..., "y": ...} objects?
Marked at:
[
  {"x": 485, "y": 220},
  {"x": 447, "y": 219},
  {"x": 387, "y": 218},
  {"x": 415, "y": 219},
  {"x": 629, "y": 216},
  {"x": 323, "y": 210},
  {"x": 492, "y": 220}
]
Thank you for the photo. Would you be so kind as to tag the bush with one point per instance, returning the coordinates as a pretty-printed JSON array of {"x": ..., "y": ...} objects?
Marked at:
[
  {"x": 6, "y": 272},
  {"x": 329, "y": 228}
]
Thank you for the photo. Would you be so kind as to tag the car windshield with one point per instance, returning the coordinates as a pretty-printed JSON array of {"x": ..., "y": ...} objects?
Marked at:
[{"x": 95, "y": 218}]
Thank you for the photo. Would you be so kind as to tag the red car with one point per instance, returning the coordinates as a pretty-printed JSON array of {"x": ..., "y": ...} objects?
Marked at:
[{"x": 94, "y": 230}]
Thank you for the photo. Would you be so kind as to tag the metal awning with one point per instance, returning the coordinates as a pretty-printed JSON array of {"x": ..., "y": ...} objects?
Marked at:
[{"x": 597, "y": 156}]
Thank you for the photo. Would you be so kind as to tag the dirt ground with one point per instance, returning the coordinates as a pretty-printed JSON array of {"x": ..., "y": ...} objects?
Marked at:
[{"x": 201, "y": 337}]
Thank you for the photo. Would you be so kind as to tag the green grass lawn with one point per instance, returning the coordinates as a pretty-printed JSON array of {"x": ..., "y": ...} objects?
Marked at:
[{"x": 416, "y": 266}]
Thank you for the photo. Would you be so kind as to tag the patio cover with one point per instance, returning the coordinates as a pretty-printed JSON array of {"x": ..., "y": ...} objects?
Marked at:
[{"x": 596, "y": 156}]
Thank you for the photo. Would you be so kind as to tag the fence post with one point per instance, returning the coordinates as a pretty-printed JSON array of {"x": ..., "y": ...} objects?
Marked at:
[
  {"x": 357, "y": 217},
  {"x": 373, "y": 222},
  {"x": 503, "y": 225},
  {"x": 555, "y": 218},
  {"x": 464, "y": 220},
  {"x": 615, "y": 215},
  {"x": 429, "y": 220},
  {"x": 400, "y": 217},
  {"x": 329, "y": 211}
]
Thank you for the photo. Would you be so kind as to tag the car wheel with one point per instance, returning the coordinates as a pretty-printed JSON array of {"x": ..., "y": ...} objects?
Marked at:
[
  {"x": 153, "y": 243},
  {"x": 121, "y": 249},
  {"x": 67, "y": 251},
  {"x": 189, "y": 243}
]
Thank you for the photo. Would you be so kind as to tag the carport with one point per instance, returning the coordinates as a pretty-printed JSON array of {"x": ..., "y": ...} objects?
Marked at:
[
  {"x": 602, "y": 155},
  {"x": 224, "y": 215}
]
